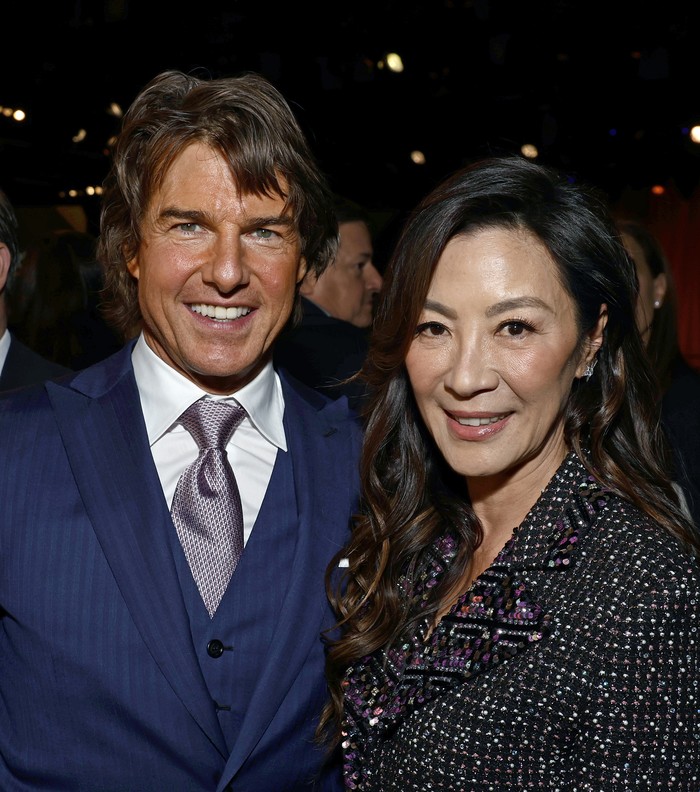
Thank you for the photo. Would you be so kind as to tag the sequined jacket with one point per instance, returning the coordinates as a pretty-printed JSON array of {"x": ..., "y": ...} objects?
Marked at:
[{"x": 572, "y": 663}]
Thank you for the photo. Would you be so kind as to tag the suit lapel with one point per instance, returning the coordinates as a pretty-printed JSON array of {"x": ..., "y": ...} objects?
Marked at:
[
  {"x": 326, "y": 480},
  {"x": 101, "y": 423}
]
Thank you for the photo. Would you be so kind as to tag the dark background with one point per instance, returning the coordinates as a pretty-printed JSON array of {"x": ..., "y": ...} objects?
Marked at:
[{"x": 481, "y": 76}]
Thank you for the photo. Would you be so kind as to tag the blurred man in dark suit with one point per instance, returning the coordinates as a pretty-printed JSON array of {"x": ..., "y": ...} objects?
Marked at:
[
  {"x": 19, "y": 365},
  {"x": 329, "y": 344}
]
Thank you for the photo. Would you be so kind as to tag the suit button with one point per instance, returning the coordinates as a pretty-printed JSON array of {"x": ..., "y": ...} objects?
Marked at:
[{"x": 215, "y": 648}]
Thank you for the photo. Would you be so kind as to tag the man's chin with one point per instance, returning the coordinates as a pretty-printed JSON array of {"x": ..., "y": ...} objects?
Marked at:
[{"x": 225, "y": 379}]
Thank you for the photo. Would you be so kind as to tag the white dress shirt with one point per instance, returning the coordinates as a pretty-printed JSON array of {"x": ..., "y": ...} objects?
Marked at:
[
  {"x": 165, "y": 394},
  {"x": 4, "y": 348}
]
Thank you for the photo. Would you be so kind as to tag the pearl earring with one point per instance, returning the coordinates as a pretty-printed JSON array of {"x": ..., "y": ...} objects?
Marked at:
[{"x": 657, "y": 303}]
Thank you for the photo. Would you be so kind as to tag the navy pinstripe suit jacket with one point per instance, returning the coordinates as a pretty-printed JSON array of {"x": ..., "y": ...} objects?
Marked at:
[{"x": 100, "y": 687}]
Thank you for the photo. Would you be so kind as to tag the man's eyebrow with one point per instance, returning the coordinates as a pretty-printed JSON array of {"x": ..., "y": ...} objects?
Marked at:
[
  {"x": 276, "y": 220},
  {"x": 176, "y": 213},
  {"x": 196, "y": 216}
]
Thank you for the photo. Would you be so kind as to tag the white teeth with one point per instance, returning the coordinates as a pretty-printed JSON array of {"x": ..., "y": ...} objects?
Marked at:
[
  {"x": 219, "y": 312},
  {"x": 479, "y": 421}
]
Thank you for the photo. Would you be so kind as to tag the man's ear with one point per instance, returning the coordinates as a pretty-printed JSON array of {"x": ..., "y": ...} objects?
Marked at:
[
  {"x": 5, "y": 261},
  {"x": 302, "y": 270},
  {"x": 308, "y": 285},
  {"x": 594, "y": 341},
  {"x": 133, "y": 266}
]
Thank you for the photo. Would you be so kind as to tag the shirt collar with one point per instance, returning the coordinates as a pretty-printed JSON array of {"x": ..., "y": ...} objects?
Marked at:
[
  {"x": 4, "y": 347},
  {"x": 165, "y": 394}
]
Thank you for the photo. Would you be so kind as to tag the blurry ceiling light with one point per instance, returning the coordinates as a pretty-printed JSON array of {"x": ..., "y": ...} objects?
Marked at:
[
  {"x": 115, "y": 110},
  {"x": 16, "y": 115},
  {"x": 529, "y": 150},
  {"x": 695, "y": 133},
  {"x": 394, "y": 62},
  {"x": 418, "y": 157},
  {"x": 80, "y": 135},
  {"x": 658, "y": 189}
]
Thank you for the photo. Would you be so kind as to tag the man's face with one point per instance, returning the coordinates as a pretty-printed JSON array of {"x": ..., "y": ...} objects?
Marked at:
[
  {"x": 217, "y": 273},
  {"x": 348, "y": 286}
]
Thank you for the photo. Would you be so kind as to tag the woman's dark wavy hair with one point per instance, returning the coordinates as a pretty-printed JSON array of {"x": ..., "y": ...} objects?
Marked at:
[
  {"x": 410, "y": 497},
  {"x": 250, "y": 124}
]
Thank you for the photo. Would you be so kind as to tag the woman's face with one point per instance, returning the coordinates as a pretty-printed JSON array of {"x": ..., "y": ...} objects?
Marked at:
[
  {"x": 651, "y": 289},
  {"x": 495, "y": 354}
]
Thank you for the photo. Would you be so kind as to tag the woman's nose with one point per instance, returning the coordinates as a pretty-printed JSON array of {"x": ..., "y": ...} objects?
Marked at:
[{"x": 471, "y": 369}]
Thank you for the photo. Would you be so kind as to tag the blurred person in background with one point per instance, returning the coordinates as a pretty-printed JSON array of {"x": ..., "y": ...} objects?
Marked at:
[
  {"x": 19, "y": 364},
  {"x": 679, "y": 382},
  {"x": 328, "y": 344},
  {"x": 55, "y": 307}
]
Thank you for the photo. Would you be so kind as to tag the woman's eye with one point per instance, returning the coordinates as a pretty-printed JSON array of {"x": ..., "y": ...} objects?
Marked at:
[
  {"x": 430, "y": 329},
  {"x": 517, "y": 328}
]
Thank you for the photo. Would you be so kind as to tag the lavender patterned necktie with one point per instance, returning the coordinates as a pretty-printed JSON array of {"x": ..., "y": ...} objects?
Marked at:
[{"x": 206, "y": 507}]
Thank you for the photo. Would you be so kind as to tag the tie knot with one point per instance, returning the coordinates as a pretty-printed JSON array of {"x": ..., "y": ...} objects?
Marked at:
[{"x": 211, "y": 423}]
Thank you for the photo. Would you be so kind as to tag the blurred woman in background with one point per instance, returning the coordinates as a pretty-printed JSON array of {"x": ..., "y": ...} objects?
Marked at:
[{"x": 679, "y": 382}]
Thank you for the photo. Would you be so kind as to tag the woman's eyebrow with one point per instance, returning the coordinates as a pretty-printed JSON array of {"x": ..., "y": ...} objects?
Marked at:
[{"x": 513, "y": 303}]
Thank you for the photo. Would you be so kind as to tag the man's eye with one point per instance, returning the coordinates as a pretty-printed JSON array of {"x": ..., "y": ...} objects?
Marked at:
[
  {"x": 264, "y": 233},
  {"x": 188, "y": 228}
]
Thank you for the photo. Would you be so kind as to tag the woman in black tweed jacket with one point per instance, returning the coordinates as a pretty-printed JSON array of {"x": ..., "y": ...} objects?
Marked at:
[{"x": 521, "y": 608}]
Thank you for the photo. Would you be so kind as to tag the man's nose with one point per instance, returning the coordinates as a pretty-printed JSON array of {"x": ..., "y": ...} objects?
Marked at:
[
  {"x": 225, "y": 267},
  {"x": 372, "y": 277}
]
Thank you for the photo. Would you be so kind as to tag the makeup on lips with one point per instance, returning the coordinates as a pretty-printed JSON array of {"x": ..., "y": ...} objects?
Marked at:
[{"x": 476, "y": 426}]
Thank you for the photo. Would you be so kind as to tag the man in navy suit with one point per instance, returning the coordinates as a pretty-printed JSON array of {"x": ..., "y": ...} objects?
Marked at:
[
  {"x": 19, "y": 365},
  {"x": 114, "y": 676}
]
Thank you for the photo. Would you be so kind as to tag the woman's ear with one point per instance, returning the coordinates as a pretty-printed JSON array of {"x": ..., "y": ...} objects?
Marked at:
[
  {"x": 594, "y": 341},
  {"x": 660, "y": 286}
]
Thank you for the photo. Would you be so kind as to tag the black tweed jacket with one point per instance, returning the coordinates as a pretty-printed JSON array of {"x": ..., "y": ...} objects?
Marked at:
[{"x": 572, "y": 663}]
